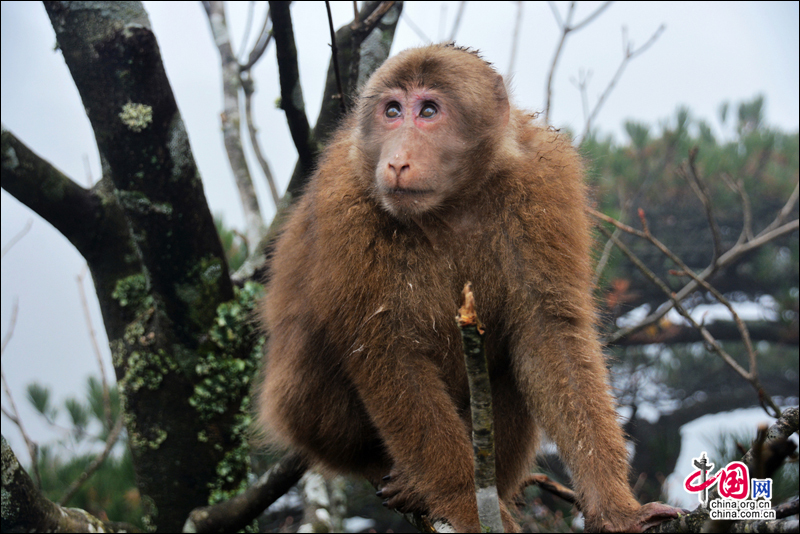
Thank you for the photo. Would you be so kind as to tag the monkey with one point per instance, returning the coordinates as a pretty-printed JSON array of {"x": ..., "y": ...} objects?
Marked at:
[{"x": 435, "y": 179}]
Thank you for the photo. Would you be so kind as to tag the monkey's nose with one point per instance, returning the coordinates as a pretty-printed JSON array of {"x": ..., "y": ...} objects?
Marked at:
[{"x": 399, "y": 167}]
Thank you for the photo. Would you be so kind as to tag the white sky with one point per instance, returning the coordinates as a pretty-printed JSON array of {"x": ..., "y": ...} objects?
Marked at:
[{"x": 710, "y": 52}]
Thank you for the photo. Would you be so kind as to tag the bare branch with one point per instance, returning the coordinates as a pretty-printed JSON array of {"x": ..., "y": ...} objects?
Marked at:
[
  {"x": 247, "y": 27},
  {"x": 291, "y": 91},
  {"x": 514, "y": 40},
  {"x": 95, "y": 347},
  {"x": 261, "y": 44},
  {"x": 416, "y": 29},
  {"x": 17, "y": 238},
  {"x": 335, "y": 58},
  {"x": 231, "y": 121},
  {"x": 566, "y": 28},
  {"x": 628, "y": 55},
  {"x": 71, "y": 209},
  {"x": 591, "y": 17},
  {"x": 461, "y": 6},
  {"x": 689, "y": 172},
  {"x": 113, "y": 436},
  {"x": 785, "y": 211},
  {"x": 237, "y": 512},
  {"x": 747, "y": 227}
]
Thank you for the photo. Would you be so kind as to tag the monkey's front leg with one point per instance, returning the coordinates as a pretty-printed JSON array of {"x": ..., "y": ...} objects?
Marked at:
[
  {"x": 423, "y": 434},
  {"x": 565, "y": 381}
]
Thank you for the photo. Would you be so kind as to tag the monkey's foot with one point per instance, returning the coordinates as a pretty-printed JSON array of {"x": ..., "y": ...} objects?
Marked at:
[
  {"x": 648, "y": 515},
  {"x": 398, "y": 495}
]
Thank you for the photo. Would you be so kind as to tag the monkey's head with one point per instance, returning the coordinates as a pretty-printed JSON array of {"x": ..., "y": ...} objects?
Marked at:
[{"x": 429, "y": 122}]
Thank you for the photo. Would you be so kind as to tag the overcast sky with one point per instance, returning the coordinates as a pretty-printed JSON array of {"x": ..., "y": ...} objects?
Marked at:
[{"x": 709, "y": 53}]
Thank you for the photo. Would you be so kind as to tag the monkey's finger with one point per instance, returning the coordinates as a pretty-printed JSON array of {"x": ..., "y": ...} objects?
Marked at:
[{"x": 654, "y": 513}]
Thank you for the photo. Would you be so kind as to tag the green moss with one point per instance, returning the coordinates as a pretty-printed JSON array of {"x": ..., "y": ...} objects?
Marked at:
[
  {"x": 136, "y": 117},
  {"x": 196, "y": 295},
  {"x": 138, "y": 202},
  {"x": 131, "y": 291},
  {"x": 147, "y": 370},
  {"x": 229, "y": 360},
  {"x": 225, "y": 374}
]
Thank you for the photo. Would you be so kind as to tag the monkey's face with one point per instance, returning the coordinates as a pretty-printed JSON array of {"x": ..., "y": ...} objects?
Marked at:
[
  {"x": 417, "y": 151},
  {"x": 428, "y": 124}
]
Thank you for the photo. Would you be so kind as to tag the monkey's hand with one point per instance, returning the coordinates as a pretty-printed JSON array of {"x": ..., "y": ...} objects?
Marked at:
[
  {"x": 398, "y": 493},
  {"x": 648, "y": 515}
]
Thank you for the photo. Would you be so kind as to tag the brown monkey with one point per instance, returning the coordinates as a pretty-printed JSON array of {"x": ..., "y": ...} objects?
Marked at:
[{"x": 433, "y": 181}]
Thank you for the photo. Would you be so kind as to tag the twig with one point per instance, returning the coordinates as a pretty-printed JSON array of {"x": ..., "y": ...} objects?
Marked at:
[
  {"x": 247, "y": 27},
  {"x": 264, "y": 37},
  {"x": 247, "y": 86},
  {"x": 335, "y": 56},
  {"x": 291, "y": 93},
  {"x": 747, "y": 227},
  {"x": 750, "y": 375},
  {"x": 566, "y": 28},
  {"x": 514, "y": 40},
  {"x": 95, "y": 347},
  {"x": 550, "y": 485},
  {"x": 416, "y": 29},
  {"x": 731, "y": 255},
  {"x": 628, "y": 55},
  {"x": 689, "y": 173},
  {"x": 13, "y": 415},
  {"x": 785, "y": 211},
  {"x": 113, "y": 436},
  {"x": 461, "y": 6},
  {"x": 17, "y": 238},
  {"x": 231, "y": 120}
]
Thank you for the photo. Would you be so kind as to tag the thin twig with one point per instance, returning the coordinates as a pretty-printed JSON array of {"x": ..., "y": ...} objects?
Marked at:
[
  {"x": 95, "y": 346},
  {"x": 747, "y": 227},
  {"x": 724, "y": 260},
  {"x": 689, "y": 172},
  {"x": 656, "y": 280},
  {"x": 751, "y": 375},
  {"x": 335, "y": 56},
  {"x": 113, "y": 436},
  {"x": 264, "y": 37},
  {"x": 13, "y": 415},
  {"x": 566, "y": 28},
  {"x": 416, "y": 29},
  {"x": 17, "y": 238},
  {"x": 457, "y": 23},
  {"x": 247, "y": 27},
  {"x": 252, "y": 130},
  {"x": 514, "y": 40},
  {"x": 628, "y": 55},
  {"x": 785, "y": 211}
]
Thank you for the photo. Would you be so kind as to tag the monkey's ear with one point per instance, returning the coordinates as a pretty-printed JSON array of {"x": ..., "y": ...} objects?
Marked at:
[{"x": 503, "y": 106}]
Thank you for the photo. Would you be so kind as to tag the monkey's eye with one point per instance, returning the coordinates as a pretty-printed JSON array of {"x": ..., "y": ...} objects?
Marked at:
[
  {"x": 392, "y": 110},
  {"x": 428, "y": 110}
]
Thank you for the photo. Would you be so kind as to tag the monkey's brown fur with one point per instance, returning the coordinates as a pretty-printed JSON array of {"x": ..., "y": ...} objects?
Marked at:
[{"x": 364, "y": 371}]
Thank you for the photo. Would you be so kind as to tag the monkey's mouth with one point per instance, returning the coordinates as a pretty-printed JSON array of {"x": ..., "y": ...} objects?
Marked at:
[
  {"x": 402, "y": 193},
  {"x": 397, "y": 200}
]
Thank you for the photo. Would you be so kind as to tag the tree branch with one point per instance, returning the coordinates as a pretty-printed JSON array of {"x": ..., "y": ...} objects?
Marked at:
[{"x": 26, "y": 510}]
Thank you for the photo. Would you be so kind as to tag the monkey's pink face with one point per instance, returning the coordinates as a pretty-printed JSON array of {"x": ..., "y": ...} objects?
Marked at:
[{"x": 419, "y": 151}]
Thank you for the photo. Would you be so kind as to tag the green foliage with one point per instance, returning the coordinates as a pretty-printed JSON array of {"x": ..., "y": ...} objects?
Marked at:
[
  {"x": 652, "y": 172},
  {"x": 39, "y": 397},
  {"x": 110, "y": 493},
  {"x": 233, "y": 243},
  {"x": 784, "y": 480}
]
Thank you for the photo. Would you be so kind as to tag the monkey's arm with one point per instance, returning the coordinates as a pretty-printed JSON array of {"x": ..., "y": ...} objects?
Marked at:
[
  {"x": 428, "y": 443},
  {"x": 563, "y": 375}
]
